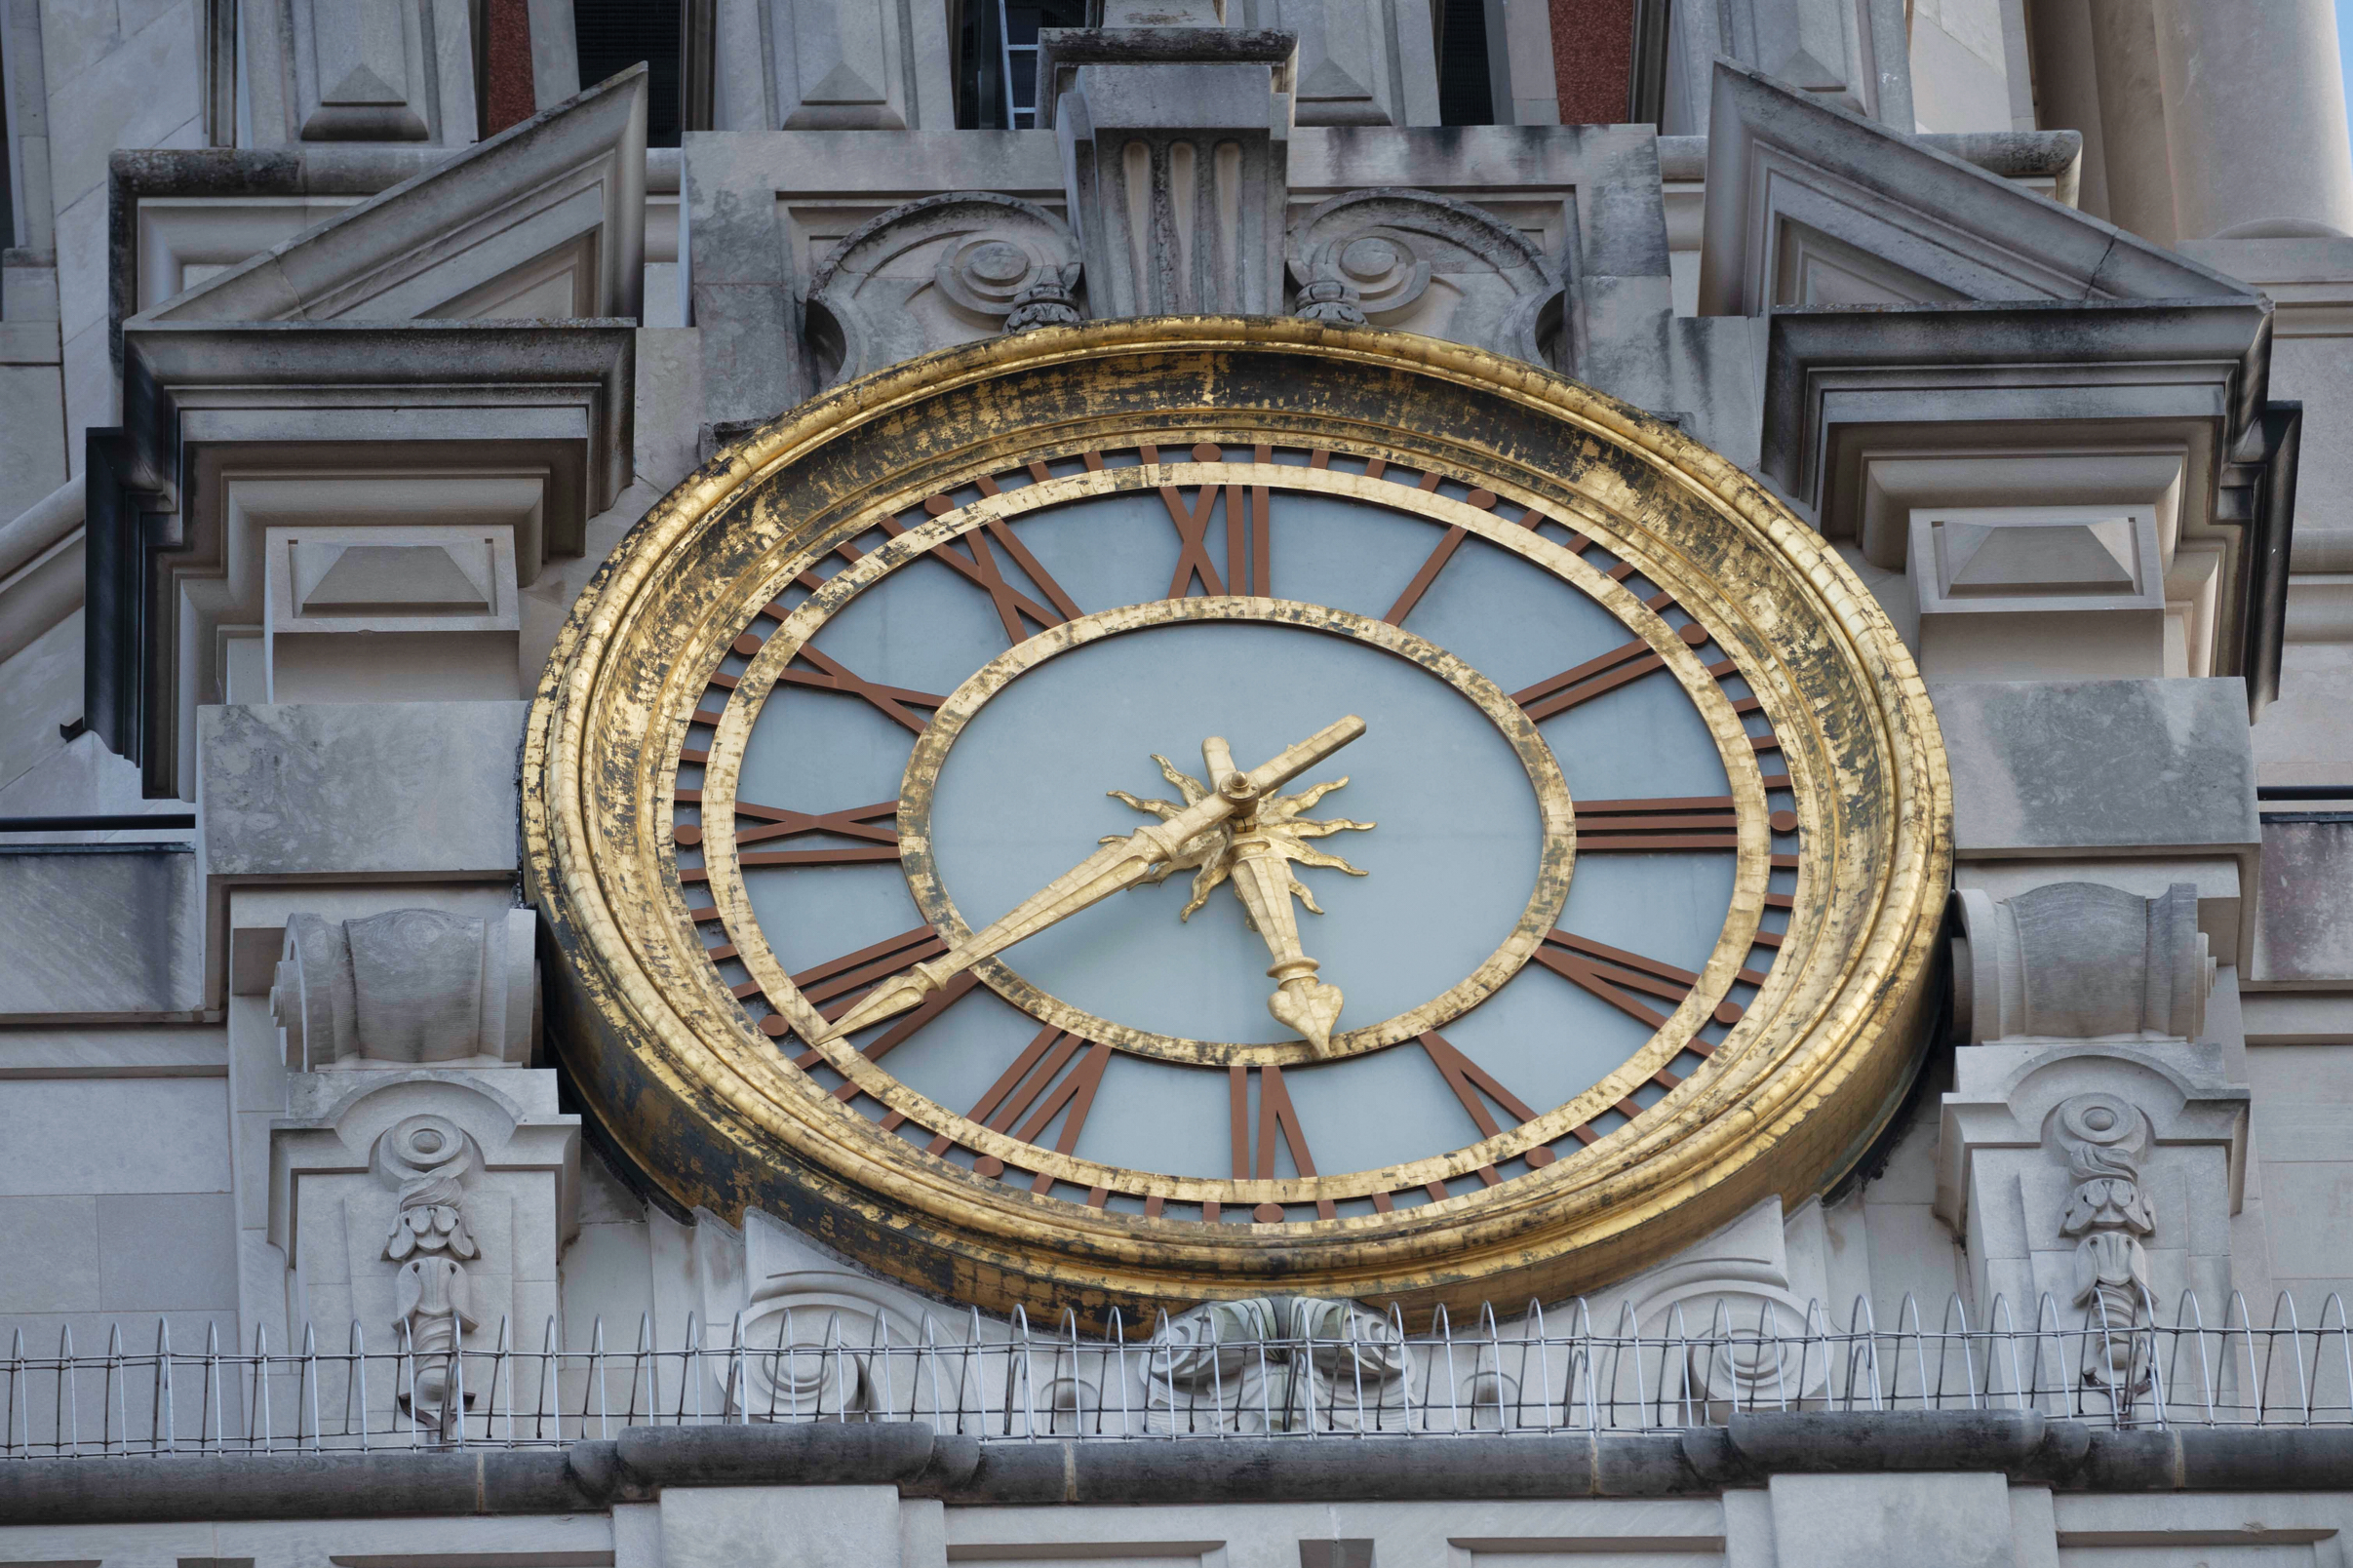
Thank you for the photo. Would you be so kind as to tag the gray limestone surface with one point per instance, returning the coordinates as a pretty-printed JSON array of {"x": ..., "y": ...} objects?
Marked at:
[
  {"x": 2306, "y": 928},
  {"x": 359, "y": 790},
  {"x": 2122, "y": 767},
  {"x": 97, "y": 931}
]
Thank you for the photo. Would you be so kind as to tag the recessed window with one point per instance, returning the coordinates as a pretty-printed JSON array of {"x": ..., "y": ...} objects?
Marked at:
[
  {"x": 614, "y": 35},
  {"x": 997, "y": 88}
]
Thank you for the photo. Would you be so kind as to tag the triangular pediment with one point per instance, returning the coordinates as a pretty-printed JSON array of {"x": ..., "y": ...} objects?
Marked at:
[
  {"x": 546, "y": 219},
  {"x": 1809, "y": 204}
]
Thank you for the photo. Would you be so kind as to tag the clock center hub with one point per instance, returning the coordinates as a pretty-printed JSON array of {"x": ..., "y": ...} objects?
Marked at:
[{"x": 1064, "y": 739}]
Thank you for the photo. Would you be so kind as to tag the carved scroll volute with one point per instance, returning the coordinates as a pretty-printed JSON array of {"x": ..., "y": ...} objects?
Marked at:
[
  {"x": 944, "y": 271},
  {"x": 312, "y": 1000},
  {"x": 427, "y": 1158},
  {"x": 1424, "y": 263},
  {"x": 2081, "y": 960},
  {"x": 1288, "y": 1361},
  {"x": 2104, "y": 1138}
]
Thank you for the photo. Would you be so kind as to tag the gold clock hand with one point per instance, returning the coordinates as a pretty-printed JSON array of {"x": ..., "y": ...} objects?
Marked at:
[
  {"x": 1261, "y": 872},
  {"x": 1115, "y": 866}
]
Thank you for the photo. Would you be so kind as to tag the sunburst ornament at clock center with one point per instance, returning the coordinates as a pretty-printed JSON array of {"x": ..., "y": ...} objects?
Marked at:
[{"x": 1254, "y": 849}]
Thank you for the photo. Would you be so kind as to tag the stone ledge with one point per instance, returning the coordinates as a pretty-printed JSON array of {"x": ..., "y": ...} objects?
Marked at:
[{"x": 2021, "y": 1446}]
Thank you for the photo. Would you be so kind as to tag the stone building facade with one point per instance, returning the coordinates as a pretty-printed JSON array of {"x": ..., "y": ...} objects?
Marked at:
[{"x": 341, "y": 343}]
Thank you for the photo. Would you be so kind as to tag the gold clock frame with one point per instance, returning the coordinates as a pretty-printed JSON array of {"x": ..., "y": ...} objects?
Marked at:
[{"x": 702, "y": 1101}]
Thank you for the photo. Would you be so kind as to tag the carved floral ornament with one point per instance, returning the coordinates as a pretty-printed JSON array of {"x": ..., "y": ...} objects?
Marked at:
[
  {"x": 427, "y": 1156},
  {"x": 2104, "y": 1138}
]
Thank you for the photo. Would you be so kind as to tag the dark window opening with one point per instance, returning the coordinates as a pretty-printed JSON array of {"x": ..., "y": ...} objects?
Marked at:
[
  {"x": 614, "y": 35},
  {"x": 1465, "y": 91},
  {"x": 997, "y": 86}
]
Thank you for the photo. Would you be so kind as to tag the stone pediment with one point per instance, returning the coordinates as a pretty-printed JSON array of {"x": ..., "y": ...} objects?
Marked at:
[
  {"x": 1809, "y": 204},
  {"x": 544, "y": 221}
]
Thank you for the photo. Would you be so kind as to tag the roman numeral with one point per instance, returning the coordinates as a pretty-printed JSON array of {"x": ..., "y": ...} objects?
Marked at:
[
  {"x": 1473, "y": 1086},
  {"x": 1469, "y": 1081},
  {"x": 833, "y": 988},
  {"x": 1622, "y": 979},
  {"x": 1248, "y": 537},
  {"x": 831, "y": 676},
  {"x": 1254, "y": 1156},
  {"x": 1640, "y": 827},
  {"x": 858, "y": 822},
  {"x": 1038, "y": 1086},
  {"x": 970, "y": 558},
  {"x": 1629, "y": 661}
]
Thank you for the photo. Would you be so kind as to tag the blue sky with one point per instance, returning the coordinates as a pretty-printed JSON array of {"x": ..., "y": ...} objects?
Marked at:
[{"x": 2344, "y": 44}]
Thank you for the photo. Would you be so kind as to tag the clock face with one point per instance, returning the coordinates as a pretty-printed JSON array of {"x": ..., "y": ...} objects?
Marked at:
[{"x": 1069, "y": 847}]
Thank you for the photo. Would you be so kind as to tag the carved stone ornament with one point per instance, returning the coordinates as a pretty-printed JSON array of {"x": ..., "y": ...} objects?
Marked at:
[
  {"x": 2081, "y": 960},
  {"x": 1425, "y": 263},
  {"x": 809, "y": 1342},
  {"x": 2106, "y": 1137},
  {"x": 1279, "y": 1364},
  {"x": 406, "y": 987},
  {"x": 427, "y": 1156},
  {"x": 932, "y": 273}
]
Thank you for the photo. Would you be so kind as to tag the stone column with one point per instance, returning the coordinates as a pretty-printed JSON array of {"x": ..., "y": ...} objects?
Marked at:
[
  {"x": 2136, "y": 168},
  {"x": 2255, "y": 118}
]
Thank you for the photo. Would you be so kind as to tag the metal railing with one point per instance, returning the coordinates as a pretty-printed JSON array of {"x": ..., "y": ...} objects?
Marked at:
[{"x": 1537, "y": 1371}]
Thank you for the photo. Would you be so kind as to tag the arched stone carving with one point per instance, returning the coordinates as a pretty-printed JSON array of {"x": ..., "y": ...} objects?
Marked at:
[
  {"x": 1733, "y": 1293},
  {"x": 809, "y": 1340},
  {"x": 932, "y": 273},
  {"x": 1424, "y": 263},
  {"x": 2081, "y": 960}
]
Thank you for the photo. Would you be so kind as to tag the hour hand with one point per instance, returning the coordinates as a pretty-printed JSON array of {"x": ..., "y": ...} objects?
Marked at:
[
  {"x": 1261, "y": 872},
  {"x": 1115, "y": 866}
]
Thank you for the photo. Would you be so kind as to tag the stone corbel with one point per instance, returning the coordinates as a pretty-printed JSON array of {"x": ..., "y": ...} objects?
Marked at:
[
  {"x": 2081, "y": 961},
  {"x": 407, "y": 987}
]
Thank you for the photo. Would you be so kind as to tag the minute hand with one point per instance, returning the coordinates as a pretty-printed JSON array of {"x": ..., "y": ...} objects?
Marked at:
[{"x": 1106, "y": 871}]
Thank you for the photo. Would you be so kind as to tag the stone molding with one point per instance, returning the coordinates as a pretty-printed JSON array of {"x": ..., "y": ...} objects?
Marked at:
[
  {"x": 831, "y": 65},
  {"x": 1794, "y": 181},
  {"x": 458, "y": 240},
  {"x": 1373, "y": 255},
  {"x": 407, "y": 987},
  {"x": 358, "y": 70},
  {"x": 937, "y": 272},
  {"x": 1361, "y": 62},
  {"x": 919, "y": 1463},
  {"x": 1851, "y": 53},
  {"x": 2081, "y": 961}
]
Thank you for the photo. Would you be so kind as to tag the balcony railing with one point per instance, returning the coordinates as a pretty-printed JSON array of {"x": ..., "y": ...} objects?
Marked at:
[{"x": 1536, "y": 1371}]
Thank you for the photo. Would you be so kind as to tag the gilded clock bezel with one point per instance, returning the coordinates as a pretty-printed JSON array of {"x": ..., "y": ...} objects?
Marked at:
[{"x": 694, "y": 1093}]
